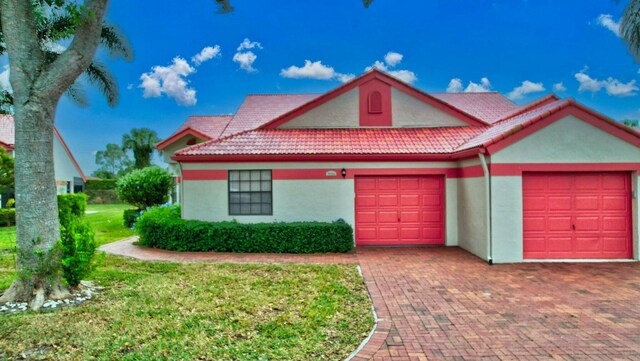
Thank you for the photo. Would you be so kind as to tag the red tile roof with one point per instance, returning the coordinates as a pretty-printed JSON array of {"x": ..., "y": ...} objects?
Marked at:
[
  {"x": 337, "y": 141},
  {"x": 488, "y": 107},
  {"x": 209, "y": 125},
  {"x": 257, "y": 110}
]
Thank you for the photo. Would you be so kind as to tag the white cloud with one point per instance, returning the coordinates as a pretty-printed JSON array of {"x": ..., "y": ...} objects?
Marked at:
[
  {"x": 483, "y": 87},
  {"x": 559, "y": 87},
  {"x": 612, "y": 86},
  {"x": 314, "y": 70},
  {"x": 170, "y": 80},
  {"x": 246, "y": 60},
  {"x": 4, "y": 79},
  {"x": 247, "y": 44},
  {"x": 527, "y": 87},
  {"x": 393, "y": 58},
  {"x": 606, "y": 20},
  {"x": 245, "y": 57},
  {"x": 206, "y": 54},
  {"x": 455, "y": 86}
]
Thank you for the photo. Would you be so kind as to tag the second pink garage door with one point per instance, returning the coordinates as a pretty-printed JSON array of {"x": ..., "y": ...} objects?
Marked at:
[
  {"x": 399, "y": 210},
  {"x": 576, "y": 215}
]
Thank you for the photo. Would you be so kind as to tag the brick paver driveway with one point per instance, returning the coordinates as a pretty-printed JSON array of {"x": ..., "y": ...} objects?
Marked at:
[{"x": 445, "y": 304}]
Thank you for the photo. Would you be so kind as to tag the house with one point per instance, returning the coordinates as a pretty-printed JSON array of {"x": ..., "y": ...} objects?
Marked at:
[
  {"x": 551, "y": 179},
  {"x": 69, "y": 176}
]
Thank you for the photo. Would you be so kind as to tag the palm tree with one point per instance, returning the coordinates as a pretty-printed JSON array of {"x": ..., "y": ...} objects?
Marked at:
[
  {"x": 630, "y": 28},
  {"x": 142, "y": 143},
  {"x": 59, "y": 27}
]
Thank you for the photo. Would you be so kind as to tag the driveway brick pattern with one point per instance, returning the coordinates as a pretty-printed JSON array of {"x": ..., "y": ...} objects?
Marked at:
[{"x": 446, "y": 304}]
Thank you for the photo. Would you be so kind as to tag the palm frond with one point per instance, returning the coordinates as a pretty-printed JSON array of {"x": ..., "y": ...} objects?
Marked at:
[
  {"x": 6, "y": 102},
  {"x": 77, "y": 94},
  {"x": 630, "y": 28},
  {"x": 115, "y": 42},
  {"x": 98, "y": 75}
]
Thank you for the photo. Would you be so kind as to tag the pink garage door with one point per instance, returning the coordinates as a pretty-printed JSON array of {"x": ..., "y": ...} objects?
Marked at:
[
  {"x": 576, "y": 215},
  {"x": 402, "y": 210}
]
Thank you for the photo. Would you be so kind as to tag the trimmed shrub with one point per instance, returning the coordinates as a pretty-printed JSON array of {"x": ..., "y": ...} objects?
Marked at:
[
  {"x": 130, "y": 217},
  {"x": 71, "y": 206},
  {"x": 76, "y": 238},
  {"x": 146, "y": 187},
  {"x": 7, "y": 217},
  {"x": 100, "y": 184},
  {"x": 162, "y": 227}
]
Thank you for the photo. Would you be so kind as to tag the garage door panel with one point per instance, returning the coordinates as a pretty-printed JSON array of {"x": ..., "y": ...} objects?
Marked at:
[
  {"x": 587, "y": 203},
  {"x": 388, "y": 200},
  {"x": 561, "y": 223},
  {"x": 399, "y": 210},
  {"x": 614, "y": 203},
  {"x": 559, "y": 203},
  {"x": 576, "y": 215},
  {"x": 410, "y": 200},
  {"x": 587, "y": 223},
  {"x": 388, "y": 233},
  {"x": 559, "y": 244},
  {"x": 588, "y": 244},
  {"x": 535, "y": 203},
  {"x": 366, "y": 200},
  {"x": 615, "y": 224},
  {"x": 388, "y": 217},
  {"x": 389, "y": 183},
  {"x": 615, "y": 244}
]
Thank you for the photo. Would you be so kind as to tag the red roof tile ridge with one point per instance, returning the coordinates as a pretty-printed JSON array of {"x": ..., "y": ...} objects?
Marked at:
[
  {"x": 214, "y": 141},
  {"x": 530, "y": 106},
  {"x": 280, "y": 94}
]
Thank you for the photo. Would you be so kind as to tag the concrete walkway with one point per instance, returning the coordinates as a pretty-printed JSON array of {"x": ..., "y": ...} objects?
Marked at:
[{"x": 446, "y": 304}]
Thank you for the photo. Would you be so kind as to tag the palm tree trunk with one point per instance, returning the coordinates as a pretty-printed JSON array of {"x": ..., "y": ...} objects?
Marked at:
[{"x": 38, "y": 230}]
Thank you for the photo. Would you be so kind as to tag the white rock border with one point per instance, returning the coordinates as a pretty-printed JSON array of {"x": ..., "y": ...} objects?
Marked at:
[{"x": 86, "y": 291}]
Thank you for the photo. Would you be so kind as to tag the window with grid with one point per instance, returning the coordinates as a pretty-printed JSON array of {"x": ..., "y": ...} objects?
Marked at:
[{"x": 250, "y": 192}]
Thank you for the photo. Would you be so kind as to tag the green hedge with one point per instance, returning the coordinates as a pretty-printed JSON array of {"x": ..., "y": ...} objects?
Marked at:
[
  {"x": 162, "y": 227},
  {"x": 100, "y": 184},
  {"x": 71, "y": 206},
  {"x": 102, "y": 196},
  {"x": 7, "y": 217},
  {"x": 130, "y": 216},
  {"x": 76, "y": 238}
]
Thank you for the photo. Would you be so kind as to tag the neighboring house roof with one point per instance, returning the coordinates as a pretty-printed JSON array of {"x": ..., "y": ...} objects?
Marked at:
[
  {"x": 204, "y": 127},
  {"x": 254, "y": 131},
  {"x": 7, "y": 137}
]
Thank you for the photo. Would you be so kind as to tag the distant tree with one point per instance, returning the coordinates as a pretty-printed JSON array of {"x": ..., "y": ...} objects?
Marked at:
[
  {"x": 631, "y": 123},
  {"x": 7, "y": 180},
  {"x": 142, "y": 142},
  {"x": 630, "y": 28},
  {"x": 224, "y": 6},
  {"x": 113, "y": 162}
]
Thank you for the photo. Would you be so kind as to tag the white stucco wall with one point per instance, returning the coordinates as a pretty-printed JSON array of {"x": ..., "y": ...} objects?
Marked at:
[
  {"x": 340, "y": 112},
  {"x": 64, "y": 167},
  {"x": 409, "y": 111},
  {"x": 568, "y": 140},
  {"x": 302, "y": 200},
  {"x": 472, "y": 215}
]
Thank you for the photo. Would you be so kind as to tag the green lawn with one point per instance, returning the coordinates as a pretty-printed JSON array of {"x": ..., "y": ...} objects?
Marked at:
[{"x": 201, "y": 311}]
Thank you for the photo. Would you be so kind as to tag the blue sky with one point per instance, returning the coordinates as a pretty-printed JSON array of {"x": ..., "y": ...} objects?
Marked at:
[{"x": 507, "y": 42}]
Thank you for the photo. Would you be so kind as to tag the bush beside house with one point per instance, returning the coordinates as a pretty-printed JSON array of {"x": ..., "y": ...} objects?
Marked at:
[
  {"x": 7, "y": 217},
  {"x": 144, "y": 188},
  {"x": 162, "y": 227}
]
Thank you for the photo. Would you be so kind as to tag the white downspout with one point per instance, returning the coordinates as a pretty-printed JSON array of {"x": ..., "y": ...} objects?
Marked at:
[
  {"x": 487, "y": 194},
  {"x": 181, "y": 191}
]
